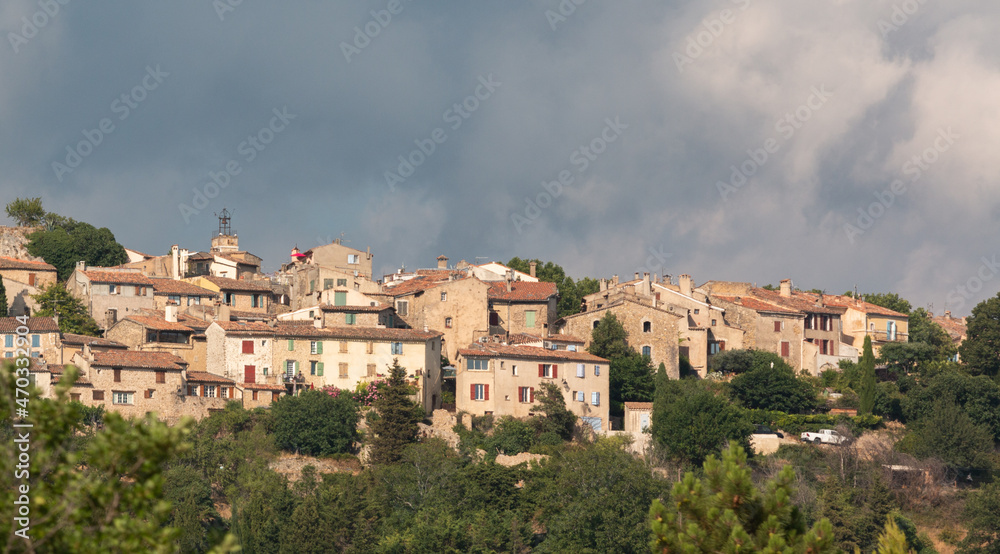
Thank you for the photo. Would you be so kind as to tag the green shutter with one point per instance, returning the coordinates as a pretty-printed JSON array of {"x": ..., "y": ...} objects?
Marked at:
[
  {"x": 295, "y": 368},
  {"x": 291, "y": 345},
  {"x": 529, "y": 318},
  {"x": 319, "y": 347},
  {"x": 339, "y": 298},
  {"x": 319, "y": 369}
]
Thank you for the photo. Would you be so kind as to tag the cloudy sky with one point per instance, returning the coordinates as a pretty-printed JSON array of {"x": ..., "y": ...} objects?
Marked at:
[{"x": 833, "y": 142}]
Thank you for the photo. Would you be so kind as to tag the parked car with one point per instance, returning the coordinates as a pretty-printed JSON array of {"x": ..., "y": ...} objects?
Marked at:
[
  {"x": 823, "y": 436},
  {"x": 765, "y": 430}
]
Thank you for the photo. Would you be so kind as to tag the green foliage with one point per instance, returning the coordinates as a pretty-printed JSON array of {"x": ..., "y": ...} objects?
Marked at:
[
  {"x": 867, "y": 369},
  {"x": 630, "y": 373},
  {"x": 512, "y": 436},
  {"x": 570, "y": 293},
  {"x": 904, "y": 357},
  {"x": 315, "y": 423},
  {"x": 27, "y": 212},
  {"x": 104, "y": 494},
  {"x": 691, "y": 421},
  {"x": 193, "y": 511},
  {"x": 557, "y": 419},
  {"x": 73, "y": 316},
  {"x": 888, "y": 300},
  {"x": 3, "y": 300},
  {"x": 922, "y": 329},
  {"x": 733, "y": 362},
  {"x": 980, "y": 351},
  {"x": 395, "y": 423},
  {"x": 69, "y": 241},
  {"x": 724, "y": 512},
  {"x": 978, "y": 397},
  {"x": 773, "y": 387},
  {"x": 798, "y": 423},
  {"x": 947, "y": 433},
  {"x": 982, "y": 519}
]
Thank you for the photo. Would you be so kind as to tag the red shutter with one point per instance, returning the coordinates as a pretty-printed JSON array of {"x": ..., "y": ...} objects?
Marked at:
[
  {"x": 784, "y": 349},
  {"x": 472, "y": 393},
  {"x": 722, "y": 345},
  {"x": 248, "y": 347},
  {"x": 531, "y": 394},
  {"x": 555, "y": 371},
  {"x": 249, "y": 374},
  {"x": 777, "y": 326},
  {"x": 541, "y": 370},
  {"x": 231, "y": 391},
  {"x": 486, "y": 392}
]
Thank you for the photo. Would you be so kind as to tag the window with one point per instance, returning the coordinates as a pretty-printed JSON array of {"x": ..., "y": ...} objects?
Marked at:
[
  {"x": 343, "y": 347},
  {"x": 785, "y": 349},
  {"x": 890, "y": 331},
  {"x": 480, "y": 392},
  {"x": 714, "y": 347},
  {"x": 249, "y": 374},
  {"x": 397, "y": 348},
  {"x": 254, "y": 395},
  {"x": 229, "y": 299},
  {"x": 36, "y": 341},
  {"x": 370, "y": 370},
  {"x": 697, "y": 311},
  {"x": 341, "y": 282},
  {"x": 248, "y": 347},
  {"x": 291, "y": 345},
  {"x": 343, "y": 370},
  {"x": 529, "y": 318},
  {"x": 161, "y": 376},
  {"x": 777, "y": 326},
  {"x": 327, "y": 284},
  {"x": 597, "y": 371},
  {"x": 647, "y": 351},
  {"x": 494, "y": 318},
  {"x": 98, "y": 395},
  {"x": 596, "y": 321},
  {"x": 209, "y": 391},
  {"x": 74, "y": 397},
  {"x": 580, "y": 396},
  {"x": 8, "y": 355},
  {"x": 255, "y": 301},
  {"x": 353, "y": 259},
  {"x": 175, "y": 298},
  {"x": 350, "y": 319},
  {"x": 312, "y": 286},
  {"x": 581, "y": 370},
  {"x": 595, "y": 398},
  {"x": 525, "y": 395},
  {"x": 477, "y": 364},
  {"x": 824, "y": 347},
  {"x": 35, "y": 354},
  {"x": 316, "y": 368},
  {"x": 315, "y": 347},
  {"x": 194, "y": 300},
  {"x": 401, "y": 307},
  {"x": 31, "y": 279},
  {"x": 370, "y": 348},
  {"x": 444, "y": 296},
  {"x": 447, "y": 323},
  {"x": 118, "y": 376},
  {"x": 339, "y": 298},
  {"x": 224, "y": 392},
  {"x": 8, "y": 341},
  {"x": 548, "y": 371},
  {"x": 148, "y": 393},
  {"x": 123, "y": 398},
  {"x": 647, "y": 327},
  {"x": 290, "y": 367},
  {"x": 513, "y": 370},
  {"x": 713, "y": 323}
]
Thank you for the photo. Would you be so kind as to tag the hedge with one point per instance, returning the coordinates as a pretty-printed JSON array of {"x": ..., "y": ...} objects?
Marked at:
[{"x": 796, "y": 423}]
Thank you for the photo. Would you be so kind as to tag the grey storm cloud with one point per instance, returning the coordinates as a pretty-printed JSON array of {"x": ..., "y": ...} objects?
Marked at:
[{"x": 838, "y": 142}]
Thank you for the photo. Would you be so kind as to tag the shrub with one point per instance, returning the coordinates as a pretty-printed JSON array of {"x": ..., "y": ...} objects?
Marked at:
[{"x": 315, "y": 423}]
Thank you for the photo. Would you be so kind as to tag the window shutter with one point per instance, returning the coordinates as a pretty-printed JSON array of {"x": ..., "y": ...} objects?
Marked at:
[
  {"x": 472, "y": 393},
  {"x": 581, "y": 370},
  {"x": 319, "y": 368},
  {"x": 295, "y": 368},
  {"x": 722, "y": 345},
  {"x": 319, "y": 349},
  {"x": 541, "y": 370},
  {"x": 486, "y": 392},
  {"x": 531, "y": 394},
  {"x": 291, "y": 345},
  {"x": 555, "y": 371}
]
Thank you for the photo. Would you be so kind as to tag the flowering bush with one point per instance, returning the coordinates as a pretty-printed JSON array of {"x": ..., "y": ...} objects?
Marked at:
[
  {"x": 367, "y": 393},
  {"x": 331, "y": 390}
]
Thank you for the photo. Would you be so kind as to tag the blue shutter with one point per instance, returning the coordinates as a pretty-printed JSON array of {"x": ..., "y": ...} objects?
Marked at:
[
  {"x": 581, "y": 370},
  {"x": 595, "y": 398}
]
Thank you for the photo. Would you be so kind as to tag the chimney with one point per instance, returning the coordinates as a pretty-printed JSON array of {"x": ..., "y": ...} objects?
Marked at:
[
  {"x": 947, "y": 314},
  {"x": 614, "y": 280},
  {"x": 442, "y": 262},
  {"x": 685, "y": 283},
  {"x": 175, "y": 262},
  {"x": 604, "y": 284},
  {"x": 636, "y": 276},
  {"x": 81, "y": 265},
  {"x": 222, "y": 313},
  {"x": 646, "y": 285},
  {"x": 170, "y": 312},
  {"x": 533, "y": 265},
  {"x": 318, "y": 321},
  {"x": 295, "y": 250},
  {"x": 786, "y": 287}
]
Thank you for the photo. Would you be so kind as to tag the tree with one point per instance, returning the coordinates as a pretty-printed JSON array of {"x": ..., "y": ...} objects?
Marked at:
[
  {"x": 570, "y": 293},
  {"x": 904, "y": 357},
  {"x": 630, "y": 373},
  {"x": 69, "y": 241},
  {"x": 55, "y": 300},
  {"x": 691, "y": 421},
  {"x": 774, "y": 387},
  {"x": 315, "y": 423},
  {"x": 732, "y": 362},
  {"x": 394, "y": 424},
  {"x": 3, "y": 299},
  {"x": 982, "y": 517},
  {"x": 947, "y": 433},
  {"x": 724, "y": 512},
  {"x": 557, "y": 418},
  {"x": 924, "y": 330},
  {"x": 27, "y": 212},
  {"x": 867, "y": 367},
  {"x": 888, "y": 300},
  {"x": 980, "y": 350}
]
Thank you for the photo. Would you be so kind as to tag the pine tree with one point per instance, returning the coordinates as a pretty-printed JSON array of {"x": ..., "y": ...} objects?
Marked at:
[
  {"x": 3, "y": 300},
  {"x": 867, "y": 367},
  {"x": 393, "y": 419}
]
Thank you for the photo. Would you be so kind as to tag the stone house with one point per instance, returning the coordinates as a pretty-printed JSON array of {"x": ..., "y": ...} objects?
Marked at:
[
  {"x": 638, "y": 417},
  {"x": 164, "y": 332},
  {"x": 111, "y": 294},
  {"x": 862, "y": 318},
  {"x": 502, "y": 380},
  {"x": 72, "y": 344},
  {"x": 345, "y": 356},
  {"x": 242, "y": 351},
  {"x": 521, "y": 307},
  {"x": 766, "y": 326},
  {"x": 954, "y": 326},
  {"x": 181, "y": 294},
  {"x": 456, "y": 305},
  {"x": 239, "y": 295},
  {"x": 22, "y": 279},
  {"x": 41, "y": 339},
  {"x": 324, "y": 268}
]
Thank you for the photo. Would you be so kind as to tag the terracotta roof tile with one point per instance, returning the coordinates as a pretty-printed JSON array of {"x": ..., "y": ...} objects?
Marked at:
[
  {"x": 859, "y": 305},
  {"x": 261, "y": 386},
  {"x": 530, "y": 352},
  {"x": 158, "y": 323},
  {"x": 205, "y": 377},
  {"x": 140, "y": 360},
  {"x": 417, "y": 284},
  {"x": 287, "y": 329},
  {"x": 800, "y": 301},
  {"x": 754, "y": 304},
  {"x": 6, "y": 262},
  {"x": 245, "y": 327},
  {"x": 81, "y": 340},
  {"x": 225, "y": 283},
  {"x": 639, "y": 405},
  {"x": 522, "y": 291},
  {"x": 118, "y": 277},
  {"x": 35, "y": 325},
  {"x": 164, "y": 287}
]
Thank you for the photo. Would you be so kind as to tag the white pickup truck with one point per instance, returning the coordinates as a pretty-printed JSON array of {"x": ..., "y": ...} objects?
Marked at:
[{"x": 824, "y": 436}]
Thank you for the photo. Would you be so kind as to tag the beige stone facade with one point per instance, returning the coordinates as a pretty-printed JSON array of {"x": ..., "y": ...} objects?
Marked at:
[
  {"x": 638, "y": 417},
  {"x": 503, "y": 380},
  {"x": 522, "y": 307},
  {"x": 38, "y": 338},
  {"x": 240, "y": 295},
  {"x": 111, "y": 295}
]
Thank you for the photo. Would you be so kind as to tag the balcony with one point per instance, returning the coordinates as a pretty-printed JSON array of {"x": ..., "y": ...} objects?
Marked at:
[
  {"x": 289, "y": 379},
  {"x": 883, "y": 336}
]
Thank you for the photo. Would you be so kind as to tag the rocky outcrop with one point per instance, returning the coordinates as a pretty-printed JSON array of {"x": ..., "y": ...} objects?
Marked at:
[{"x": 14, "y": 242}]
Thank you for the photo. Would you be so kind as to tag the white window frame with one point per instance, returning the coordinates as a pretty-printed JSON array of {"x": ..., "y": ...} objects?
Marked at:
[
  {"x": 313, "y": 349},
  {"x": 546, "y": 371},
  {"x": 209, "y": 391},
  {"x": 123, "y": 398},
  {"x": 353, "y": 259},
  {"x": 480, "y": 392},
  {"x": 581, "y": 371}
]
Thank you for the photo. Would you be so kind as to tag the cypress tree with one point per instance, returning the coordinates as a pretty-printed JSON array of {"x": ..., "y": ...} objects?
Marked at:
[
  {"x": 867, "y": 366},
  {"x": 394, "y": 418},
  {"x": 3, "y": 300}
]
